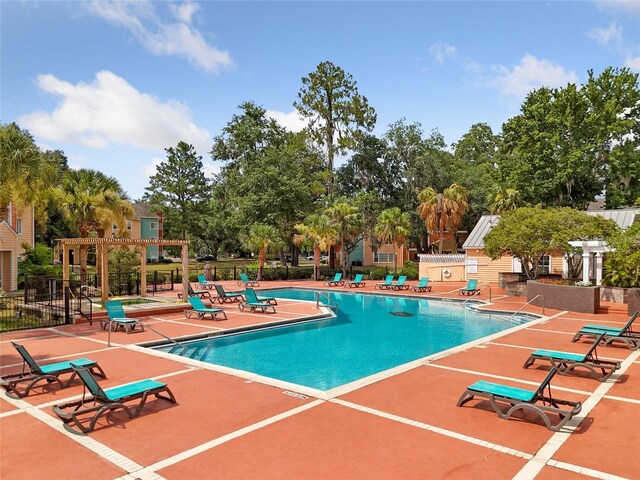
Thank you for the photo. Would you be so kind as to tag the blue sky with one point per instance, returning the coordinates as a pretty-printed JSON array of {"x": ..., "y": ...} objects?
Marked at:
[{"x": 114, "y": 83}]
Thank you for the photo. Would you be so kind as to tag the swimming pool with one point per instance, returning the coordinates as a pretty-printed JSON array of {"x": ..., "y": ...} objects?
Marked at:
[{"x": 371, "y": 333}]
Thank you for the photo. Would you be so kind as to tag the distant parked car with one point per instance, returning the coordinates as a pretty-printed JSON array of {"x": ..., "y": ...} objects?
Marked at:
[
  {"x": 206, "y": 258},
  {"x": 310, "y": 257}
]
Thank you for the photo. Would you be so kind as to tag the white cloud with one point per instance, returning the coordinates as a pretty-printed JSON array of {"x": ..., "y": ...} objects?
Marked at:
[
  {"x": 210, "y": 170},
  {"x": 529, "y": 74},
  {"x": 164, "y": 38},
  {"x": 605, "y": 36},
  {"x": 292, "y": 121},
  {"x": 152, "y": 168},
  {"x": 111, "y": 111},
  {"x": 441, "y": 51},
  {"x": 633, "y": 63}
]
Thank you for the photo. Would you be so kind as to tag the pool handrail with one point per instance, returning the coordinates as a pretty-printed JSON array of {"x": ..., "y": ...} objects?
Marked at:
[
  {"x": 478, "y": 293},
  {"x": 520, "y": 309}
]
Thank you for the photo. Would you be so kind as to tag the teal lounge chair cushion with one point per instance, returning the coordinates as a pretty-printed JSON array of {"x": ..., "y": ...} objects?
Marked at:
[
  {"x": 116, "y": 393},
  {"x": 575, "y": 357},
  {"x": 601, "y": 328},
  {"x": 503, "y": 390},
  {"x": 61, "y": 366}
]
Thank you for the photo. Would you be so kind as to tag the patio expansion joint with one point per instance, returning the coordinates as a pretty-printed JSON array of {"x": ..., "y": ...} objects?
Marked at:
[
  {"x": 91, "y": 444},
  {"x": 547, "y": 451},
  {"x": 152, "y": 469},
  {"x": 583, "y": 470},
  {"x": 434, "y": 429},
  {"x": 88, "y": 352},
  {"x": 502, "y": 377}
]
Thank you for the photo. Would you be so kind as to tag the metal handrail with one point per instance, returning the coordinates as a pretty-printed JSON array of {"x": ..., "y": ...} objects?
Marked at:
[
  {"x": 327, "y": 297},
  {"x": 146, "y": 326},
  {"x": 478, "y": 293},
  {"x": 529, "y": 302}
]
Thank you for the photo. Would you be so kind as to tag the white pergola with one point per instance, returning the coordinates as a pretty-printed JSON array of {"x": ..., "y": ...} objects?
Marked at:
[
  {"x": 597, "y": 247},
  {"x": 102, "y": 256}
]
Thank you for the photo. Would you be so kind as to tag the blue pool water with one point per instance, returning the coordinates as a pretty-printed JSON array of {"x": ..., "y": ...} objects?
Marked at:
[{"x": 364, "y": 339}]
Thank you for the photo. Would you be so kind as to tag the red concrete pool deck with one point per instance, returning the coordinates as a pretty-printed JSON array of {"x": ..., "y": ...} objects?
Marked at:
[{"x": 406, "y": 425}]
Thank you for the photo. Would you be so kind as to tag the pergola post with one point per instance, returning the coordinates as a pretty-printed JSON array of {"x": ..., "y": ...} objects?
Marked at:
[
  {"x": 104, "y": 273},
  {"x": 65, "y": 264},
  {"x": 185, "y": 272},
  {"x": 143, "y": 271}
]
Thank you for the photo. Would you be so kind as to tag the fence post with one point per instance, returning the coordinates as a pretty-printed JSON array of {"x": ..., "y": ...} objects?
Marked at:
[
  {"x": 286, "y": 272},
  {"x": 155, "y": 281},
  {"x": 386, "y": 271},
  {"x": 171, "y": 271},
  {"x": 234, "y": 273},
  {"x": 67, "y": 295},
  {"x": 215, "y": 273}
]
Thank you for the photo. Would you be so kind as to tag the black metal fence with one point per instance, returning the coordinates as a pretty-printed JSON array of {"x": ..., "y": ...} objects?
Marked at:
[
  {"x": 217, "y": 273},
  {"x": 128, "y": 283},
  {"x": 33, "y": 309}
]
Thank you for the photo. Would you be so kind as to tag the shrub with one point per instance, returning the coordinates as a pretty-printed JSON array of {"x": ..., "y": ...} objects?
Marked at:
[
  {"x": 410, "y": 269},
  {"x": 377, "y": 274}
]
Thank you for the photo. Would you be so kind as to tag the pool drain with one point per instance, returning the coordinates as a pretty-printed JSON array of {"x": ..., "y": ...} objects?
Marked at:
[{"x": 402, "y": 314}]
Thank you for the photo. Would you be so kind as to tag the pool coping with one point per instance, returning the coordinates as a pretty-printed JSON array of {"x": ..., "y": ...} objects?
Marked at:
[{"x": 151, "y": 347}]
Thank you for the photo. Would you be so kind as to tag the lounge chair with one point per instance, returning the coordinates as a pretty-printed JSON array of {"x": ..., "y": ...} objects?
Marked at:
[
  {"x": 357, "y": 282},
  {"x": 388, "y": 281},
  {"x": 566, "y": 361},
  {"x": 401, "y": 283},
  {"x": 224, "y": 296},
  {"x": 252, "y": 303},
  {"x": 36, "y": 373},
  {"x": 423, "y": 286},
  {"x": 202, "y": 281},
  {"x": 526, "y": 400},
  {"x": 200, "y": 310},
  {"x": 196, "y": 293},
  {"x": 337, "y": 280},
  {"x": 625, "y": 334},
  {"x": 245, "y": 282},
  {"x": 105, "y": 401},
  {"x": 471, "y": 288},
  {"x": 118, "y": 319}
]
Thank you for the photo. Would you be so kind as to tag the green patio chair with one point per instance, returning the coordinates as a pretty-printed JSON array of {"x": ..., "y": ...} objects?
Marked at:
[
  {"x": 105, "y": 401},
  {"x": 357, "y": 281},
  {"x": 202, "y": 281},
  {"x": 423, "y": 286},
  {"x": 36, "y": 373},
  {"x": 224, "y": 296},
  {"x": 245, "y": 282},
  {"x": 624, "y": 335},
  {"x": 401, "y": 283},
  {"x": 201, "y": 310},
  {"x": 520, "y": 399},
  {"x": 566, "y": 361},
  {"x": 388, "y": 281},
  {"x": 252, "y": 303},
  {"x": 471, "y": 288},
  {"x": 118, "y": 319},
  {"x": 336, "y": 281}
]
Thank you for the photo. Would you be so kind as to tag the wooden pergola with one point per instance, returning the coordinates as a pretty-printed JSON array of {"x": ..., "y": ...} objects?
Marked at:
[{"x": 102, "y": 255}]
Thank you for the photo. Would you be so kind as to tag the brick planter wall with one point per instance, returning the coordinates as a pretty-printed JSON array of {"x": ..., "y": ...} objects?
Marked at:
[
  {"x": 505, "y": 278},
  {"x": 633, "y": 300},
  {"x": 564, "y": 297}
]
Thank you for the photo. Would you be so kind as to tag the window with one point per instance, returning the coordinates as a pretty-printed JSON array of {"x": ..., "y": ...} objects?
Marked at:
[
  {"x": 129, "y": 225},
  {"x": 114, "y": 227},
  {"x": 545, "y": 265},
  {"x": 383, "y": 257},
  {"x": 153, "y": 225},
  {"x": 18, "y": 226}
]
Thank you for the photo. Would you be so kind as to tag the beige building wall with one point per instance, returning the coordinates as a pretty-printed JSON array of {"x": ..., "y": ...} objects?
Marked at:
[
  {"x": 439, "y": 272},
  {"x": 16, "y": 229},
  {"x": 488, "y": 269}
]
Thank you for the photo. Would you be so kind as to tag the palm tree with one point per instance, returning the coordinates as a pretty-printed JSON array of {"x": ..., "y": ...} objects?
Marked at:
[
  {"x": 443, "y": 211},
  {"x": 503, "y": 200},
  {"x": 347, "y": 223},
  {"x": 261, "y": 238},
  {"x": 95, "y": 201},
  {"x": 393, "y": 227},
  {"x": 26, "y": 175},
  {"x": 320, "y": 233}
]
